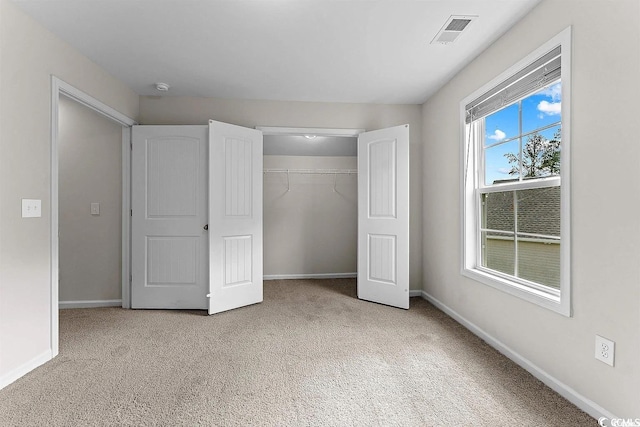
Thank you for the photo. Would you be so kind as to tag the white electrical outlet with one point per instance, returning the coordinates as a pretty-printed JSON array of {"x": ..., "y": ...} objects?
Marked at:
[
  {"x": 31, "y": 208},
  {"x": 605, "y": 350},
  {"x": 95, "y": 208}
]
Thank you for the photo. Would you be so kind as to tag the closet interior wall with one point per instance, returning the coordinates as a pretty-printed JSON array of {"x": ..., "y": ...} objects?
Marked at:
[
  {"x": 90, "y": 172},
  {"x": 310, "y": 226}
]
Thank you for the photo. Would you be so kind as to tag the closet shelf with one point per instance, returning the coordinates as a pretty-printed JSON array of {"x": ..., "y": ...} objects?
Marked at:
[{"x": 334, "y": 172}]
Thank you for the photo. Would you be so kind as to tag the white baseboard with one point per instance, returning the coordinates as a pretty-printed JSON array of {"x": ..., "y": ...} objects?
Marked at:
[
  {"x": 415, "y": 293},
  {"x": 25, "y": 368},
  {"x": 90, "y": 303},
  {"x": 310, "y": 276},
  {"x": 587, "y": 405}
]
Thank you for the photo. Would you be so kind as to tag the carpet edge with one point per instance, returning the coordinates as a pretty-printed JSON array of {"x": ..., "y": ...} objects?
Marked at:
[
  {"x": 587, "y": 405},
  {"x": 310, "y": 276}
]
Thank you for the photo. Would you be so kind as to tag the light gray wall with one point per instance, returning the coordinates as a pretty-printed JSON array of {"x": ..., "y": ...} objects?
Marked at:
[
  {"x": 605, "y": 203},
  {"x": 310, "y": 229},
  {"x": 29, "y": 54},
  {"x": 185, "y": 110},
  {"x": 90, "y": 170}
]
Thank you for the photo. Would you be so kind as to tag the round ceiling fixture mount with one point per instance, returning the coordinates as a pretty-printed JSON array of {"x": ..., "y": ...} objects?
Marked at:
[{"x": 162, "y": 87}]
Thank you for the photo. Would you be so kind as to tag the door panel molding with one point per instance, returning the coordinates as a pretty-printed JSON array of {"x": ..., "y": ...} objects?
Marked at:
[
  {"x": 383, "y": 216},
  {"x": 170, "y": 266},
  {"x": 235, "y": 217}
]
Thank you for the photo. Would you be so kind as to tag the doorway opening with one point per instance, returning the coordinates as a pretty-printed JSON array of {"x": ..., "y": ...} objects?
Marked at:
[
  {"x": 310, "y": 203},
  {"x": 60, "y": 89},
  {"x": 382, "y": 226},
  {"x": 90, "y": 207}
]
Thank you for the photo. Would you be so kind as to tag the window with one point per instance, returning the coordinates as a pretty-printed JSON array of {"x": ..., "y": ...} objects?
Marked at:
[{"x": 515, "y": 185}]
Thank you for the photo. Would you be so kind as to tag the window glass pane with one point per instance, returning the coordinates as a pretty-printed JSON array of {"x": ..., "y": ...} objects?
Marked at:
[
  {"x": 503, "y": 124},
  {"x": 501, "y": 163},
  {"x": 541, "y": 153},
  {"x": 542, "y": 108},
  {"x": 539, "y": 211},
  {"x": 539, "y": 261},
  {"x": 498, "y": 251},
  {"x": 497, "y": 211}
]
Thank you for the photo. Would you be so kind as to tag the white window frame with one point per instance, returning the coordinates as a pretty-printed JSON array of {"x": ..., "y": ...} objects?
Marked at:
[{"x": 471, "y": 166}]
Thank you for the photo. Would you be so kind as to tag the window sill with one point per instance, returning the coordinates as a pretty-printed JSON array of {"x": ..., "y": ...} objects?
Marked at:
[{"x": 543, "y": 299}]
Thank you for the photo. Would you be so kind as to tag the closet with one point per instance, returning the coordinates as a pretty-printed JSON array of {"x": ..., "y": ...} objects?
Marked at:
[
  {"x": 310, "y": 206},
  {"x": 197, "y": 202}
]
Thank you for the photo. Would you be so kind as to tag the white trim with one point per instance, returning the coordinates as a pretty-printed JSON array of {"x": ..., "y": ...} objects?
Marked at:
[
  {"x": 531, "y": 295},
  {"x": 310, "y": 276},
  {"x": 54, "y": 238},
  {"x": 415, "y": 293},
  {"x": 277, "y": 130},
  {"x": 126, "y": 217},
  {"x": 59, "y": 87},
  {"x": 582, "y": 402},
  {"x": 90, "y": 304},
  {"x": 552, "y": 181},
  {"x": 25, "y": 368},
  {"x": 566, "y": 40},
  {"x": 88, "y": 101},
  {"x": 471, "y": 163}
]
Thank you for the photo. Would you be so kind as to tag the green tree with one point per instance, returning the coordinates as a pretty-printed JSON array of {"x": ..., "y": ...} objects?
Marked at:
[{"x": 540, "y": 157}]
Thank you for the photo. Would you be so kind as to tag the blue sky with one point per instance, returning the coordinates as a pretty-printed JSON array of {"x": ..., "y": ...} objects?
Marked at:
[{"x": 538, "y": 110}]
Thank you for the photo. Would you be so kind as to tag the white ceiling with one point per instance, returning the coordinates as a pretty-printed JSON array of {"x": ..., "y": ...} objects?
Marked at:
[{"x": 361, "y": 51}]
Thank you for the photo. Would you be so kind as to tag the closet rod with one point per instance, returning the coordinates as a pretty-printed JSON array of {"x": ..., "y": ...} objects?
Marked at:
[{"x": 314, "y": 171}]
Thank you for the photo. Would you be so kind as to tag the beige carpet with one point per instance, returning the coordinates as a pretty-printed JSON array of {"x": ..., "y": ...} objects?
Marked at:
[{"x": 310, "y": 355}]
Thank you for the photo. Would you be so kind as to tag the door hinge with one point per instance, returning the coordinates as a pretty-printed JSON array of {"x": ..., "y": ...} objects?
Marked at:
[
  {"x": 131, "y": 145},
  {"x": 131, "y": 212}
]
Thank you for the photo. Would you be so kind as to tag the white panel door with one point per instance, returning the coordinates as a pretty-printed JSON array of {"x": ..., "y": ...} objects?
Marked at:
[
  {"x": 169, "y": 242},
  {"x": 235, "y": 209},
  {"x": 383, "y": 216}
]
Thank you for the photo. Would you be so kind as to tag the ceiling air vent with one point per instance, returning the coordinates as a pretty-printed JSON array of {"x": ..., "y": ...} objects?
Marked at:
[{"x": 452, "y": 29}]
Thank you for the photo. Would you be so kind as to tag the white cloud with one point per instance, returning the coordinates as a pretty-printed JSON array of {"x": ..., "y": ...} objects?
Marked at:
[
  {"x": 498, "y": 135},
  {"x": 554, "y": 92},
  {"x": 504, "y": 171},
  {"x": 549, "y": 108}
]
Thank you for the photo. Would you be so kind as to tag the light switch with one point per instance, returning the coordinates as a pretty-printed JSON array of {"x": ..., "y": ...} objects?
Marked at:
[
  {"x": 95, "y": 208},
  {"x": 31, "y": 208}
]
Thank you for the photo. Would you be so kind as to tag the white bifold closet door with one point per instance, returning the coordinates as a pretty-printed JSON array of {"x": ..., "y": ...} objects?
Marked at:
[
  {"x": 235, "y": 211},
  {"x": 383, "y": 216},
  {"x": 169, "y": 243},
  {"x": 196, "y": 217}
]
